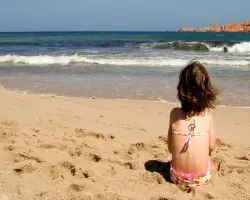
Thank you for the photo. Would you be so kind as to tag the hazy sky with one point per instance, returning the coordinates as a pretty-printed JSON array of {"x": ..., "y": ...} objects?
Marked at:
[{"x": 144, "y": 15}]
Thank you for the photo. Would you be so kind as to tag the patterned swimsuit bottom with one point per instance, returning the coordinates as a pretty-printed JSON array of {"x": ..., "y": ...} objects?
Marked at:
[{"x": 186, "y": 181}]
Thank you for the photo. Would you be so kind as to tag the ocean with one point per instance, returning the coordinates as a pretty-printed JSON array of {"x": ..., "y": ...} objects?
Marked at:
[{"x": 123, "y": 65}]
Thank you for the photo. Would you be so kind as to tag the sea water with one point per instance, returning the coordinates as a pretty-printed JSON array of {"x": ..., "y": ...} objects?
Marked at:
[{"x": 129, "y": 65}]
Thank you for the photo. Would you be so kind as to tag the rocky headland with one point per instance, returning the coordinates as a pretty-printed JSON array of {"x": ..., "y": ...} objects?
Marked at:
[{"x": 234, "y": 27}]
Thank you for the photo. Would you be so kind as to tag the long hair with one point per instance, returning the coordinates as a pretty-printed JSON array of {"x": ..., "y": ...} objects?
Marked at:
[{"x": 195, "y": 90}]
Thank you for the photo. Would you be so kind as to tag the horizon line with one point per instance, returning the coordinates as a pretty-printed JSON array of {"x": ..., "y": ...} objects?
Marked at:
[{"x": 34, "y": 31}]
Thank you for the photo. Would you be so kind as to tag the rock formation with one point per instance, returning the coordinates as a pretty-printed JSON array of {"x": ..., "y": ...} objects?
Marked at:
[{"x": 241, "y": 27}]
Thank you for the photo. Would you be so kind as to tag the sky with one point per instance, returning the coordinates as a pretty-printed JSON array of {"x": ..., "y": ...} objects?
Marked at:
[{"x": 118, "y": 15}]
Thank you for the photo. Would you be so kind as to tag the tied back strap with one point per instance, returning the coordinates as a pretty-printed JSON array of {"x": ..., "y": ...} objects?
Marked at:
[{"x": 191, "y": 128}]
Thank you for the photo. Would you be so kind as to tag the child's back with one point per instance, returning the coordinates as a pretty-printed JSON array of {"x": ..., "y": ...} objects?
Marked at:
[
  {"x": 190, "y": 150},
  {"x": 191, "y": 134}
]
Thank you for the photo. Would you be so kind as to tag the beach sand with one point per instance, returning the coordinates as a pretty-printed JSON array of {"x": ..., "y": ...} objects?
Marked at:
[{"x": 75, "y": 148}]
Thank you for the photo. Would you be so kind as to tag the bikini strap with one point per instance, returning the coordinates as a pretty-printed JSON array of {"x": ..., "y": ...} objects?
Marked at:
[
  {"x": 191, "y": 133},
  {"x": 191, "y": 128}
]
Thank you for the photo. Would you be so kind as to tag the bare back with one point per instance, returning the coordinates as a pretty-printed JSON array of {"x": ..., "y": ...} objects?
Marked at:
[{"x": 190, "y": 148}]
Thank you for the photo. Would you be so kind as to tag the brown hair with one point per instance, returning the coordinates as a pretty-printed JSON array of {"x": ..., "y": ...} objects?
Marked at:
[{"x": 195, "y": 90}]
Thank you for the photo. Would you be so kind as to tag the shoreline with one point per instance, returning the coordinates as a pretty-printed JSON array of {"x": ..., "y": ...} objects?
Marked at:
[{"x": 161, "y": 100}]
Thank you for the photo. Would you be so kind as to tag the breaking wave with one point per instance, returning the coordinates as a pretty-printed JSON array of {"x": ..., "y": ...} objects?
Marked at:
[
  {"x": 215, "y": 46},
  {"x": 243, "y": 47}
]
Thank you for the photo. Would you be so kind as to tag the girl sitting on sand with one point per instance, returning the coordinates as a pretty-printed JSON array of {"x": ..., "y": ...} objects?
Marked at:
[{"x": 191, "y": 136}]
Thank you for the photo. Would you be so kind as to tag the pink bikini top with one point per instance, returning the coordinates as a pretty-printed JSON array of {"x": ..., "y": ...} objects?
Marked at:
[{"x": 191, "y": 133}]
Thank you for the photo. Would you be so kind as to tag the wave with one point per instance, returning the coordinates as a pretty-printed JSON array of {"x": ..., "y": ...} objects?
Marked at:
[
  {"x": 243, "y": 47},
  {"x": 214, "y": 46},
  {"x": 178, "y": 45},
  {"x": 80, "y": 60},
  {"x": 230, "y": 47}
]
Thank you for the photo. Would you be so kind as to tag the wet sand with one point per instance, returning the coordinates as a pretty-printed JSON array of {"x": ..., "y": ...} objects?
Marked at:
[{"x": 121, "y": 82}]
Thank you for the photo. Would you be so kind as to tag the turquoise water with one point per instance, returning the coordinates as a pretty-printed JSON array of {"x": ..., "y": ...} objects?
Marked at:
[
  {"x": 135, "y": 65},
  {"x": 136, "y": 36}
]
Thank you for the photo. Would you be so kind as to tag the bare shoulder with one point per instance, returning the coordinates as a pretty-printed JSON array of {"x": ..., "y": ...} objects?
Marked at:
[
  {"x": 175, "y": 114},
  {"x": 176, "y": 110},
  {"x": 208, "y": 112}
]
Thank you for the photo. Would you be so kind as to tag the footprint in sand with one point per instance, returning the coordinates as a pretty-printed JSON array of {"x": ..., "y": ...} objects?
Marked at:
[
  {"x": 163, "y": 139},
  {"x": 84, "y": 133},
  {"x": 46, "y": 146},
  {"x": 9, "y": 148},
  {"x": 69, "y": 166},
  {"x": 140, "y": 146},
  {"x": 58, "y": 172},
  {"x": 8, "y": 130},
  {"x": 61, "y": 147},
  {"x": 77, "y": 187},
  {"x": 134, "y": 148},
  {"x": 154, "y": 149},
  {"x": 95, "y": 157},
  {"x": 111, "y": 137},
  {"x": 223, "y": 169},
  {"x": 220, "y": 144},
  {"x": 80, "y": 174},
  {"x": 41, "y": 194},
  {"x": 243, "y": 158},
  {"x": 23, "y": 156},
  {"x": 131, "y": 165},
  {"x": 24, "y": 169},
  {"x": 152, "y": 178},
  {"x": 116, "y": 152},
  {"x": 75, "y": 152},
  {"x": 55, "y": 173},
  {"x": 35, "y": 130},
  {"x": 161, "y": 198},
  {"x": 86, "y": 174},
  {"x": 8, "y": 123},
  {"x": 206, "y": 195},
  {"x": 112, "y": 170}
]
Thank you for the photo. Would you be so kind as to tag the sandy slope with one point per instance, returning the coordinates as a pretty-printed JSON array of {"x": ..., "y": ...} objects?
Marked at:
[{"x": 72, "y": 148}]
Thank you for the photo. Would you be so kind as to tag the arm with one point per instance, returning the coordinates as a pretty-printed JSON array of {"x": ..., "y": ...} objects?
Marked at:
[
  {"x": 169, "y": 138},
  {"x": 212, "y": 138},
  {"x": 171, "y": 119}
]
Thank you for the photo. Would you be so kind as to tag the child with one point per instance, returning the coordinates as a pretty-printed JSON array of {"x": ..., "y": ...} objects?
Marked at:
[{"x": 191, "y": 136}]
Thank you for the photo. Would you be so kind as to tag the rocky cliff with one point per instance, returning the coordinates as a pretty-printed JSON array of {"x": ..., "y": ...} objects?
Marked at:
[{"x": 241, "y": 27}]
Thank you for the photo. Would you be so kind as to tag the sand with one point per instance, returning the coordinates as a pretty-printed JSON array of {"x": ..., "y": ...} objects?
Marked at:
[{"x": 75, "y": 148}]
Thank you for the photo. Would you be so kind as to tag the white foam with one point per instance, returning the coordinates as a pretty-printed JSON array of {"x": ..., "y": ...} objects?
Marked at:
[
  {"x": 227, "y": 62},
  {"x": 44, "y": 59},
  {"x": 216, "y": 49},
  {"x": 243, "y": 47},
  {"x": 134, "y": 61}
]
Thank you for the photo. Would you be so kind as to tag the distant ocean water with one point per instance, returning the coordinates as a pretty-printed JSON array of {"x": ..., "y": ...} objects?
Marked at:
[{"x": 135, "y": 65}]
